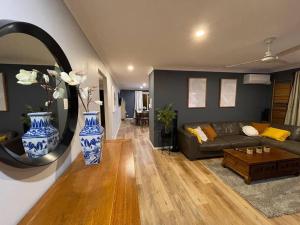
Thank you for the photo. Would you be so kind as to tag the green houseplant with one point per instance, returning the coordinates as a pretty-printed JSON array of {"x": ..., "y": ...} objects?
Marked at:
[{"x": 166, "y": 115}]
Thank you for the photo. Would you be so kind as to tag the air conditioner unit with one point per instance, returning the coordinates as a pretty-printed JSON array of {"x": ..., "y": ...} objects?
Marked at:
[{"x": 257, "y": 79}]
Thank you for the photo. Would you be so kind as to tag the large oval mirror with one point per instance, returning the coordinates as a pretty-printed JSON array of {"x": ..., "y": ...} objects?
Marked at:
[{"x": 38, "y": 112}]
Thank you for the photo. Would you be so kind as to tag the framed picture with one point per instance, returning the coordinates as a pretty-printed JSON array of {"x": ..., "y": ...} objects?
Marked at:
[
  {"x": 3, "y": 94},
  {"x": 197, "y": 92},
  {"x": 228, "y": 92}
]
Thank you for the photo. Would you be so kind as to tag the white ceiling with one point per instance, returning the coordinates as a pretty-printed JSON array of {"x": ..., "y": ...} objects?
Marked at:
[
  {"x": 24, "y": 49},
  {"x": 160, "y": 34}
]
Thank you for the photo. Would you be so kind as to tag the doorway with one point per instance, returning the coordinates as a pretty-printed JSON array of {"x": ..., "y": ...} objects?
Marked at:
[{"x": 104, "y": 120}]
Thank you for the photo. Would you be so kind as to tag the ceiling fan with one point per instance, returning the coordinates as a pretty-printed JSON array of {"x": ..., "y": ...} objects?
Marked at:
[{"x": 269, "y": 57}]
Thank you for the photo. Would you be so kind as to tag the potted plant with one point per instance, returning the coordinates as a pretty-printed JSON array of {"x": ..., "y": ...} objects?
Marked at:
[
  {"x": 26, "y": 119},
  {"x": 166, "y": 115}
]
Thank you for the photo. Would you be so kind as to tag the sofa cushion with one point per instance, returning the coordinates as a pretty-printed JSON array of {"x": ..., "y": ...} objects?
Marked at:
[
  {"x": 238, "y": 141},
  {"x": 260, "y": 127},
  {"x": 226, "y": 128},
  {"x": 195, "y": 133},
  {"x": 3, "y": 138},
  {"x": 250, "y": 131},
  {"x": 210, "y": 132},
  {"x": 244, "y": 123},
  {"x": 277, "y": 134},
  {"x": 271, "y": 142},
  {"x": 295, "y": 131},
  {"x": 291, "y": 146},
  {"x": 217, "y": 145},
  {"x": 9, "y": 134},
  {"x": 295, "y": 134}
]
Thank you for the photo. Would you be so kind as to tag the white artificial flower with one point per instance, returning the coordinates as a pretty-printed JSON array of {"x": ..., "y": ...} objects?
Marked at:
[
  {"x": 65, "y": 77},
  {"x": 46, "y": 78},
  {"x": 52, "y": 73},
  {"x": 47, "y": 103},
  {"x": 58, "y": 93},
  {"x": 27, "y": 77},
  {"x": 72, "y": 78},
  {"x": 84, "y": 92},
  {"x": 99, "y": 102}
]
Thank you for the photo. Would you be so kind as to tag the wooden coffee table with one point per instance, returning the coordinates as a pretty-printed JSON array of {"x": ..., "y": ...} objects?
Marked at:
[{"x": 276, "y": 163}]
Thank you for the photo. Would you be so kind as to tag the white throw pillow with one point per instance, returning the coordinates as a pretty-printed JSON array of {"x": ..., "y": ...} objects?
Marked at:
[
  {"x": 250, "y": 131},
  {"x": 201, "y": 134}
]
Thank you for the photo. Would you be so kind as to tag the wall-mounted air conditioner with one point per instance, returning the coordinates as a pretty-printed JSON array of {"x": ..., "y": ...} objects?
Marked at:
[{"x": 257, "y": 79}]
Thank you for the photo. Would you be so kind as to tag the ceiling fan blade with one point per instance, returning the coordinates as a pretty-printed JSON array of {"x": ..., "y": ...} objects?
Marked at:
[
  {"x": 282, "y": 61},
  {"x": 248, "y": 62},
  {"x": 289, "y": 51}
]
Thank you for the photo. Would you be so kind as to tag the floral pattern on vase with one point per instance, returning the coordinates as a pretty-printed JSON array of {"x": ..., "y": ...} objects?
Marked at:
[
  {"x": 42, "y": 137},
  {"x": 91, "y": 138}
]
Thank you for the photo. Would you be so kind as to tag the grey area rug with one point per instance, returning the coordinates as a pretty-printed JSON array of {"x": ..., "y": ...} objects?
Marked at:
[{"x": 273, "y": 197}]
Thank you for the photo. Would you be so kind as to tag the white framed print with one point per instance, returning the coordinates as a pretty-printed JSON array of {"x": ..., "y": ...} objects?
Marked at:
[
  {"x": 197, "y": 92},
  {"x": 3, "y": 94},
  {"x": 228, "y": 92}
]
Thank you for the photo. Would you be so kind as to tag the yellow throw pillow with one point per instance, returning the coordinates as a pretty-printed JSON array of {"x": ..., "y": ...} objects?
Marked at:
[
  {"x": 194, "y": 132},
  {"x": 2, "y": 138},
  {"x": 277, "y": 134}
]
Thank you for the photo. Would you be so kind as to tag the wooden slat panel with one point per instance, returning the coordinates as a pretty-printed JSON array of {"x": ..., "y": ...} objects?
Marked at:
[
  {"x": 281, "y": 93},
  {"x": 102, "y": 194}
]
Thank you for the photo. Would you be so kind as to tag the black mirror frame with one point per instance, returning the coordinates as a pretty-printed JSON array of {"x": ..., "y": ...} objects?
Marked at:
[{"x": 8, "y": 157}]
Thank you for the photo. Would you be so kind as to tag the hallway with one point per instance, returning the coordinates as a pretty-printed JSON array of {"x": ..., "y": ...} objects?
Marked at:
[{"x": 176, "y": 191}]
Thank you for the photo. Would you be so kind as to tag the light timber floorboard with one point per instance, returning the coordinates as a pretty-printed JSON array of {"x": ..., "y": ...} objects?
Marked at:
[{"x": 175, "y": 191}]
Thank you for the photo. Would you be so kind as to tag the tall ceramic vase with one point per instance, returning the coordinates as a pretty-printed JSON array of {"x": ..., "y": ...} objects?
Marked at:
[
  {"x": 91, "y": 138},
  {"x": 42, "y": 137}
]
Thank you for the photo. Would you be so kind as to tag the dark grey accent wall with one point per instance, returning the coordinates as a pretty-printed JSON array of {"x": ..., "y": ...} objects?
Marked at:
[
  {"x": 129, "y": 98},
  {"x": 172, "y": 87},
  {"x": 19, "y": 96}
]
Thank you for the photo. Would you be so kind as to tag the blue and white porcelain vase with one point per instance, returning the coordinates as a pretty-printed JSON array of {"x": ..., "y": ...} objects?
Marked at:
[
  {"x": 42, "y": 137},
  {"x": 91, "y": 138}
]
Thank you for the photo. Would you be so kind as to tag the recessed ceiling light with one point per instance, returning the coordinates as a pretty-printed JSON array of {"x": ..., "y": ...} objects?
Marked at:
[
  {"x": 144, "y": 84},
  {"x": 130, "y": 67},
  {"x": 200, "y": 33},
  {"x": 141, "y": 87}
]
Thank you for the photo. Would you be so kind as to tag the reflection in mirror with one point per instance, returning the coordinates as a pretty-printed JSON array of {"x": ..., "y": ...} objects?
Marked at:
[{"x": 30, "y": 125}]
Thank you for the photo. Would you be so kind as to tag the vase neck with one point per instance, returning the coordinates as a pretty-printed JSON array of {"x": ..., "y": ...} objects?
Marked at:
[
  {"x": 91, "y": 119},
  {"x": 39, "y": 120}
]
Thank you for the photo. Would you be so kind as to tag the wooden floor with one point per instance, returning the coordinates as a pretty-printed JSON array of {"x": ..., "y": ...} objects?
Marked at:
[
  {"x": 176, "y": 191},
  {"x": 102, "y": 194}
]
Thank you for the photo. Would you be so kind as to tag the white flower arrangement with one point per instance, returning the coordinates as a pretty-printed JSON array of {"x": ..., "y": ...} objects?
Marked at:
[
  {"x": 52, "y": 89},
  {"x": 27, "y": 77},
  {"x": 87, "y": 94}
]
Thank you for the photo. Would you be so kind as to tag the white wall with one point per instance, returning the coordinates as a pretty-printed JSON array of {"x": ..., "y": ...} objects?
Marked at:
[{"x": 21, "y": 188}]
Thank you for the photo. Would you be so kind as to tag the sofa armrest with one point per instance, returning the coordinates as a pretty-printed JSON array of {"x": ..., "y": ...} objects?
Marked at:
[{"x": 188, "y": 144}]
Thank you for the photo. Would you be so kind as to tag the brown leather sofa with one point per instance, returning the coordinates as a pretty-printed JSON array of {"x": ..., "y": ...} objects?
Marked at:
[{"x": 230, "y": 135}]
